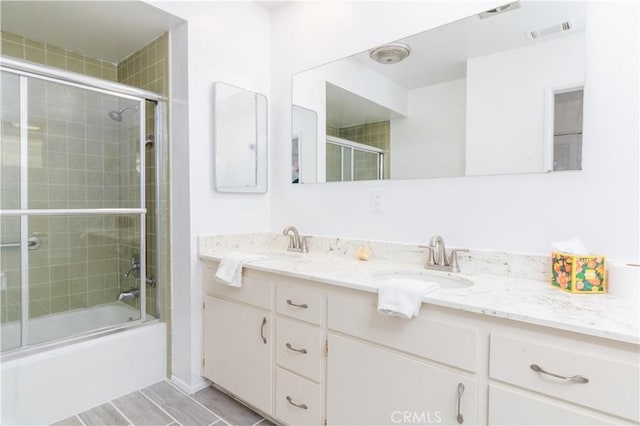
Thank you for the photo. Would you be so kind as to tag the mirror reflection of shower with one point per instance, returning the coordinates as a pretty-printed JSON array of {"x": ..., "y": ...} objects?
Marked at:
[{"x": 117, "y": 115}]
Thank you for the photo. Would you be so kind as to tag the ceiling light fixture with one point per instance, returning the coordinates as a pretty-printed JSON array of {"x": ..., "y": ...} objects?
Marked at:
[{"x": 390, "y": 53}]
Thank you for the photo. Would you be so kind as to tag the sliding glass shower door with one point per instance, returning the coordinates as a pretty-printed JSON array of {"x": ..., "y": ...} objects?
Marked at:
[{"x": 72, "y": 209}]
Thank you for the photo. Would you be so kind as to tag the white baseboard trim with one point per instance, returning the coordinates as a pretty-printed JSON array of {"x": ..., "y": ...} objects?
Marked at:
[{"x": 200, "y": 384}]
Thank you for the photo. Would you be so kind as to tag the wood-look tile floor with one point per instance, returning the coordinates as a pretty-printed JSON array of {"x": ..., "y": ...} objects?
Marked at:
[{"x": 163, "y": 404}]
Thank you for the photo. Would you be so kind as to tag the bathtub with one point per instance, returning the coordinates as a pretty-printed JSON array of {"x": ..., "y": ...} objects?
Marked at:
[
  {"x": 50, "y": 385},
  {"x": 71, "y": 323}
]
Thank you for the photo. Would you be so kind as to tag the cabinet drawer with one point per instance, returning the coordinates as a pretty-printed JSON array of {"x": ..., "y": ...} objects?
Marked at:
[
  {"x": 511, "y": 407},
  {"x": 612, "y": 386},
  {"x": 255, "y": 290},
  {"x": 300, "y": 302},
  {"x": 299, "y": 348},
  {"x": 298, "y": 401},
  {"x": 356, "y": 314}
]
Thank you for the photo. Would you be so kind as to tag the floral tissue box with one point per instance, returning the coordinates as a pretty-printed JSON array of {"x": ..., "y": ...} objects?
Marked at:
[{"x": 578, "y": 274}]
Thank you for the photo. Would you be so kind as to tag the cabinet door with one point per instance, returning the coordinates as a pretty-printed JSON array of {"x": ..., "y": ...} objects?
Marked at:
[
  {"x": 368, "y": 385},
  {"x": 237, "y": 350},
  {"x": 510, "y": 407}
]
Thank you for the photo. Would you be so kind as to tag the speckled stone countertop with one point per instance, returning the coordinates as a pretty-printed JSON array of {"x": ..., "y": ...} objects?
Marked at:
[{"x": 505, "y": 285}]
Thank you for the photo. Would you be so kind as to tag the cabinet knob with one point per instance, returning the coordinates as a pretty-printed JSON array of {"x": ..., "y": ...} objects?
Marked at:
[
  {"x": 574, "y": 379},
  {"x": 290, "y": 401}
]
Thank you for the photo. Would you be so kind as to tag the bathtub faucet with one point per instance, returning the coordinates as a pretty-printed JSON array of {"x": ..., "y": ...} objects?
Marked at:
[
  {"x": 134, "y": 270},
  {"x": 132, "y": 293}
]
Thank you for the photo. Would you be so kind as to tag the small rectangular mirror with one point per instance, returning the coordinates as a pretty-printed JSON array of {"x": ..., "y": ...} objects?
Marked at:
[{"x": 240, "y": 139}]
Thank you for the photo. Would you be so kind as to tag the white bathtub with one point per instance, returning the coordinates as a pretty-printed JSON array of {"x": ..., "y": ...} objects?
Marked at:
[
  {"x": 71, "y": 323},
  {"x": 51, "y": 385}
]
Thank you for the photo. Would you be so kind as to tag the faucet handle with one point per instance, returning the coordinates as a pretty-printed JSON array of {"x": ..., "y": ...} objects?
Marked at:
[
  {"x": 304, "y": 243},
  {"x": 431, "y": 260},
  {"x": 453, "y": 259}
]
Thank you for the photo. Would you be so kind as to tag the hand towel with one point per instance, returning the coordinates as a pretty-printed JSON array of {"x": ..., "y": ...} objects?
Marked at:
[
  {"x": 230, "y": 269},
  {"x": 402, "y": 296}
]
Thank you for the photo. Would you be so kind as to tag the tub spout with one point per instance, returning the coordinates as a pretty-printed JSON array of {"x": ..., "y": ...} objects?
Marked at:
[{"x": 132, "y": 293}]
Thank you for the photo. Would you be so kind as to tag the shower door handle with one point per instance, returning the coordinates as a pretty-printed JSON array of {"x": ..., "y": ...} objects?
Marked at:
[{"x": 33, "y": 243}]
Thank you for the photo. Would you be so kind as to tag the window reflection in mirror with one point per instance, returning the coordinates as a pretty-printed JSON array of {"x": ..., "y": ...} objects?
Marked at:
[{"x": 472, "y": 98}]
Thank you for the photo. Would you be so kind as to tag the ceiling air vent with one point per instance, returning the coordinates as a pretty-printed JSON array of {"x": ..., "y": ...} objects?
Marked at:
[{"x": 549, "y": 31}]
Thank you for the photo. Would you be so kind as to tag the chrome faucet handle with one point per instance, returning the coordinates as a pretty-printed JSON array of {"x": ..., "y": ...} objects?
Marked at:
[
  {"x": 430, "y": 255},
  {"x": 304, "y": 243},
  {"x": 439, "y": 249},
  {"x": 453, "y": 259}
]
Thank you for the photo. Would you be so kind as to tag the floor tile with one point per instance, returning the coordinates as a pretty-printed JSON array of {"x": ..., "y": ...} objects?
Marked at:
[
  {"x": 229, "y": 409},
  {"x": 265, "y": 422},
  {"x": 71, "y": 421},
  {"x": 104, "y": 415},
  {"x": 141, "y": 411},
  {"x": 178, "y": 405}
]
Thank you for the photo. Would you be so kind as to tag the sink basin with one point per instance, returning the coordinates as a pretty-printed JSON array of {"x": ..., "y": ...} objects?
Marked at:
[{"x": 446, "y": 282}]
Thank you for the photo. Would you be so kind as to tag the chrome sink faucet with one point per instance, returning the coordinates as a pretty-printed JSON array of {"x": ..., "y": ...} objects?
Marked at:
[
  {"x": 296, "y": 242},
  {"x": 437, "y": 256}
]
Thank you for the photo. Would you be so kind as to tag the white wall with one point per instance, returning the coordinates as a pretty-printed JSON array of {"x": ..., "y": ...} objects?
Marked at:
[
  {"x": 226, "y": 42},
  {"x": 353, "y": 76},
  {"x": 505, "y": 87},
  {"x": 430, "y": 141},
  {"x": 521, "y": 213}
]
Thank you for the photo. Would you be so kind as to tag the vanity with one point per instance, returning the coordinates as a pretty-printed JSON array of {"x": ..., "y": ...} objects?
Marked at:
[{"x": 302, "y": 342}]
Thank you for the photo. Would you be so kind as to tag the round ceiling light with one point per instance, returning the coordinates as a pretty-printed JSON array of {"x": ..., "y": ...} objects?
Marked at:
[{"x": 391, "y": 53}]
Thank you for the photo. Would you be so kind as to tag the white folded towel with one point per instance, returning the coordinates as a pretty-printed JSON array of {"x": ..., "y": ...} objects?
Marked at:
[
  {"x": 230, "y": 269},
  {"x": 403, "y": 296}
]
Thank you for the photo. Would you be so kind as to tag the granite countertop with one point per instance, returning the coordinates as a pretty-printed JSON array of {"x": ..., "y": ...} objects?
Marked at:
[{"x": 511, "y": 294}]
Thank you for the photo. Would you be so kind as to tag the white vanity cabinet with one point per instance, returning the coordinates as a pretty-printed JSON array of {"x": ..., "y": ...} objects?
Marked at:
[
  {"x": 238, "y": 338},
  {"x": 387, "y": 370},
  {"x": 370, "y": 385},
  {"x": 307, "y": 353},
  {"x": 582, "y": 382},
  {"x": 300, "y": 352}
]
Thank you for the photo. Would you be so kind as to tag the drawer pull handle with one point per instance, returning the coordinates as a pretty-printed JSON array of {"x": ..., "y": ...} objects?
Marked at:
[
  {"x": 574, "y": 379},
  {"x": 460, "y": 418},
  {"x": 291, "y": 348},
  {"x": 264, "y": 322},
  {"x": 303, "y": 306},
  {"x": 290, "y": 401}
]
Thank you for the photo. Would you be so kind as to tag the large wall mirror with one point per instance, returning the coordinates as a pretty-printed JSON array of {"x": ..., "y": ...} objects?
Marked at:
[{"x": 496, "y": 93}]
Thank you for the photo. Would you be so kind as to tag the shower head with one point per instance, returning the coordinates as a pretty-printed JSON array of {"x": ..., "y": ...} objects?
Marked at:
[{"x": 117, "y": 115}]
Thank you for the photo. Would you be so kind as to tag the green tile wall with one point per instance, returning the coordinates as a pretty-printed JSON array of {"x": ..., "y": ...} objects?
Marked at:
[
  {"x": 48, "y": 54},
  {"x": 365, "y": 165},
  {"x": 148, "y": 69}
]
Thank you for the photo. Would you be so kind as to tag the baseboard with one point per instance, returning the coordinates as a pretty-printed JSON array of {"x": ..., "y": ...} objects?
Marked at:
[{"x": 200, "y": 384}]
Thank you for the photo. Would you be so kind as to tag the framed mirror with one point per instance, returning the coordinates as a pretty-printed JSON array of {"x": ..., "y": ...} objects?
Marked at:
[
  {"x": 240, "y": 139},
  {"x": 495, "y": 93}
]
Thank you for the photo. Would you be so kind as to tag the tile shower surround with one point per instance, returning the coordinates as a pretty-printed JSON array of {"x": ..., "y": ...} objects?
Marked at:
[
  {"x": 374, "y": 134},
  {"x": 81, "y": 260}
]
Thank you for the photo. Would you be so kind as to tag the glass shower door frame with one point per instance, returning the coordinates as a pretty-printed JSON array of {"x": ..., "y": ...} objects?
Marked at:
[{"x": 25, "y": 71}]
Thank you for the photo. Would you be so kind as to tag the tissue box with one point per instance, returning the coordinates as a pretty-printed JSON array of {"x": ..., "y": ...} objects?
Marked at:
[{"x": 578, "y": 274}]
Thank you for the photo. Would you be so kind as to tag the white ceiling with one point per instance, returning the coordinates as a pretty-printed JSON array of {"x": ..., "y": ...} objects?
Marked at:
[
  {"x": 440, "y": 54},
  {"x": 109, "y": 30},
  {"x": 359, "y": 110}
]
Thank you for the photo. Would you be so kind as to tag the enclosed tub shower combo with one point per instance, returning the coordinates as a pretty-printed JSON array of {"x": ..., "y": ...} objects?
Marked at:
[{"x": 78, "y": 303}]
